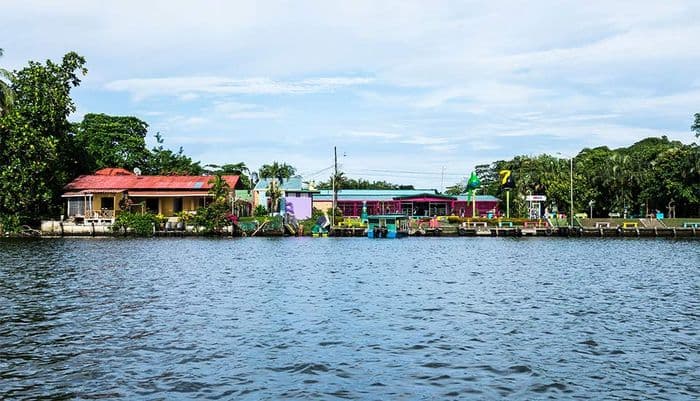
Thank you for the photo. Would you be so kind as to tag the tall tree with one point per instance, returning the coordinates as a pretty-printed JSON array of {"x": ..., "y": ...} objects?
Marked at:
[
  {"x": 112, "y": 141},
  {"x": 6, "y": 94},
  {"x": 696, "y": 125},
  {"x": 162, "y": 161},
  {"x": 279, "y": 171},
  {"x": 219, "y": 188},
  {"x": 276, "y": 173},
  {"x": 36, "y": 150},
  {"x": 239, "y": 169}
]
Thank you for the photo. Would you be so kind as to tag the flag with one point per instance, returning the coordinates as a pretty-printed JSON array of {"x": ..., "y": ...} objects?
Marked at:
[{"x": 474, "y": 181}]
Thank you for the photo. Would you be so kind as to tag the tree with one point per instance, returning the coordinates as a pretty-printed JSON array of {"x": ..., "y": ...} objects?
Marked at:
[
  {"x": 6, "y": 93},
  {"x": 276, "y": 173},
  {"x": 112, "y": 141},
  {"x": 279, "y": 171},
  {"x": 37, "y": 156},
  {"x": 239, "y": 169},
  {"x": 219, "y": 188},
  {"x": 696, "y": 125},
  {"x": 162, "y": 161}
]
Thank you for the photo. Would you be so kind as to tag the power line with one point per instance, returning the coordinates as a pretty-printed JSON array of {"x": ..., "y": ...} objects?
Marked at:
[{"x": 439, "y": 173}]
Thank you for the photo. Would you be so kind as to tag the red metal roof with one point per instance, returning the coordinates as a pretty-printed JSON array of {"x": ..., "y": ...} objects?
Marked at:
[
  {"x": 146, "y": 182},
  {"x": 136, "y": 194},
  {"x": 113, "y": 171}
]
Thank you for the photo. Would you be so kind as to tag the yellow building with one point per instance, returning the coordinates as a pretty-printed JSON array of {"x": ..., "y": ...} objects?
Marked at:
[{"x": 103, "y": 194}]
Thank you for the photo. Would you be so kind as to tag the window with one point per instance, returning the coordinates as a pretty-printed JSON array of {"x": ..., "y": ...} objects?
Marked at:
[
  {"x": 152, "y": 205},
  {"x": 107, "y": 202},
  {"x": 177, "y": 205},
  {"x": 76, "y": 206}
]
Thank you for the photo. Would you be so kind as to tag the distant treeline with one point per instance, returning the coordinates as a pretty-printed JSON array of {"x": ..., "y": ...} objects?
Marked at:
[{"x": 653, "y": 174}]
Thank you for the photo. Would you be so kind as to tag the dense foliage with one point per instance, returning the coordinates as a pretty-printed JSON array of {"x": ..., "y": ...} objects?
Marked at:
[
  {"x": 6, "y": 94},
  {"x": 111, "y": 141},
  {"x": 163, "y": 161},
  {"x": 36, "y": 150},
  {"x": 650, "y": 175},
  {"x": 213, "y": 217},
  {"x": 139, "y": 224}
]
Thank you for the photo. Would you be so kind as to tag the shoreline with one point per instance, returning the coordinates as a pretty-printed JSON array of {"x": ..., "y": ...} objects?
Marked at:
[{"x": 492, "y": 232}]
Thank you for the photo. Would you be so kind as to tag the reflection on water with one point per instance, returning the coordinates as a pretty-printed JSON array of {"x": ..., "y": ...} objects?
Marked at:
[{"x": 349, "y": 318}]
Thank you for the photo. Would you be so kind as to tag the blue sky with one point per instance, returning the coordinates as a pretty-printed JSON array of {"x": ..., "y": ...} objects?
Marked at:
[{"x": 404, "y": 89}]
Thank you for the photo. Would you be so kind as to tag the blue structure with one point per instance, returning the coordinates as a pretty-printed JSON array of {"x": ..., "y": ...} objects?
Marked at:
[{"x": 387, "y": 226}]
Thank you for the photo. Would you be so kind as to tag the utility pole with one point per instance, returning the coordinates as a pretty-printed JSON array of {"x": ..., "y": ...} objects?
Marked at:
[
  {"x": 335, "y": 174},
  {"x": 442, "y": 180},
  {"x": 571, "y": 182}
]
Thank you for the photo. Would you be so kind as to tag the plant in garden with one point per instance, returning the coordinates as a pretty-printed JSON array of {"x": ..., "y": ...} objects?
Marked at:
[
  {"x": 260, "y": 211},
  {"x": 213, "y": 217},
  {"x": 139, "y": 224}
]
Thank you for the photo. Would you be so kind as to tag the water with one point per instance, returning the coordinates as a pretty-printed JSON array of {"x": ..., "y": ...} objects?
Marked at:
[{"x": 349, "y": 318}]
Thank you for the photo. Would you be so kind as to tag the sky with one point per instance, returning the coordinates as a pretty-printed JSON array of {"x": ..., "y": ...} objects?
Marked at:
[{"x": 412, "y": 92}]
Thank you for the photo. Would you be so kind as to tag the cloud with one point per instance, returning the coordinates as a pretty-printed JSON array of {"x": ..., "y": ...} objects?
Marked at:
[
  {"x": 190, "y": 87},
  {"x": 446, "y": 85},
  {"x": 242, "y": 111},
  {"x": 188, "y": 96}
]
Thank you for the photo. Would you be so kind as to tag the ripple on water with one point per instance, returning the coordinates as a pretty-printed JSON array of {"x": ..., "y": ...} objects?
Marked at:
[{"x": 348, "y": 319}]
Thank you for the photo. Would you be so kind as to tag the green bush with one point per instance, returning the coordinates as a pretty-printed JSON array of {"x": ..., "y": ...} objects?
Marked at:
[
  {"x": 212, "y": 217},
  {"x": 454, "y": 219},
  {"x": 260, "y": 211},
  {"x": 140, "y": 224},
  {"x": 9, "y": 223}
]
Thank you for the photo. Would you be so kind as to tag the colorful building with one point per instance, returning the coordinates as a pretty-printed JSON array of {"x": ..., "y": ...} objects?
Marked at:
[
  {"x": 296, "y": 194},
  {"x": 103, "y": 194},
  {"x": 414, "y": 202}
]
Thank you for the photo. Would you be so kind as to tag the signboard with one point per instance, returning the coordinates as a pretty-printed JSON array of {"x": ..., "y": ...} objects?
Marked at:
[
  {"x": 535, "y": 198},
  {"x": 507, "y": 181}
]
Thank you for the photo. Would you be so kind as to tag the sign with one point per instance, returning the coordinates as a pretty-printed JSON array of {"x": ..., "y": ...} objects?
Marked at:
[
  {"x": 535, "y": 198},
  {"x": 507, "y": 181}
]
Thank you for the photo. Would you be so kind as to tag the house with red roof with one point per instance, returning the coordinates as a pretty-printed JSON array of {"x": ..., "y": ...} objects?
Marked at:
[{"x": 106, "y": 192}]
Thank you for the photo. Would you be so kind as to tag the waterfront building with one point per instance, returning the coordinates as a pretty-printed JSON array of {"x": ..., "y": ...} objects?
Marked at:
[
  {"x": 100, "y": 196},
  {"x": 297, "y": 196},
  {"x": 411, "y": 202}
]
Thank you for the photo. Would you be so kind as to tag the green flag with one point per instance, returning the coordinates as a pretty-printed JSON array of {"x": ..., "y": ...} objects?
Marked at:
[{"x": 474, "y": 181}]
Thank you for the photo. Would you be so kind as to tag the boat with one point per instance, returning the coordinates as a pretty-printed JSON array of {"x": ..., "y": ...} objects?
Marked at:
[{"x": 387, "y": 226}]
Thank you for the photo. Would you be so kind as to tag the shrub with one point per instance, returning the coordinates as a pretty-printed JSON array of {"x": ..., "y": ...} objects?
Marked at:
[
  {"x": 213, "y": 217},
  {"x": 141, "y": 224},
  {"x": 9, "y": 223},
  {"x": 260, "y": 211}
]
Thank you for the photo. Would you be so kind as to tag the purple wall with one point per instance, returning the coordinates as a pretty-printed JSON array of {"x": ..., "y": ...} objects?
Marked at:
[{"x": 302, "y": 206}]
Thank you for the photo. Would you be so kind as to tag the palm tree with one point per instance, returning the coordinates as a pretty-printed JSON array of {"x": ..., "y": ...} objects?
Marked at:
[
  {"x": 280, "y": 171},
  {"x": 239, "y": 169},
  {"x": 6, "y": 94},
  {"x": 219, "y": 188},
  {"x": 276, "y": 173}
]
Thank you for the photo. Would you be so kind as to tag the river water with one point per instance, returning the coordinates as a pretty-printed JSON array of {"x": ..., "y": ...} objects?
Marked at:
[{"x": 350, "y": 318}]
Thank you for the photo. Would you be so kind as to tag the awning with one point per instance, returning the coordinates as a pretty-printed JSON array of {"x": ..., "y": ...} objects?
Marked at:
[
  {"x": 174, "y": 194},
  {"x": 88, "y": 192}
]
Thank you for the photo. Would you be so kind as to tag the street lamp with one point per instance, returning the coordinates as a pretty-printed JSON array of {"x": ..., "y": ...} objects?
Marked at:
[{"x": 571, "y": 190}]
